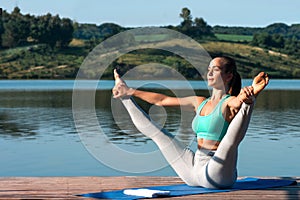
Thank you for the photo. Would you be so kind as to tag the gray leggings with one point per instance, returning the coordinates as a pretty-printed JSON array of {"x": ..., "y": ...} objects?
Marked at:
[{"x": 200, "y": 168}]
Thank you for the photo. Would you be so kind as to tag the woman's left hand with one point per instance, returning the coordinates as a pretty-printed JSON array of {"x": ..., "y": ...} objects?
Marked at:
[{"x": 120, "y": 89}]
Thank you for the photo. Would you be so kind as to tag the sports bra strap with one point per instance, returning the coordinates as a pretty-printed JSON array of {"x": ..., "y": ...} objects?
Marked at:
[
  {"x": 206, "y": 100},
  {"x": 201, "y": 105}
]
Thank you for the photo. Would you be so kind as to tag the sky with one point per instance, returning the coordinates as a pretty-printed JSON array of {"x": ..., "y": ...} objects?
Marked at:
[{"x": 141, "y": 13}]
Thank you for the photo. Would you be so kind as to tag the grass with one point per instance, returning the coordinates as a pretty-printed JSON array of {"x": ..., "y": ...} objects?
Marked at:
[
  {"x": 39, "y": 62},
  {"x": 250, "y": 60},
  {"x": 151, "y": 38},
  {"x": 234, "y": 38},
  {"x": 77, "y": 43},
  {"x": 221, "y": 37},
  {"x": 36, "y": 61}
]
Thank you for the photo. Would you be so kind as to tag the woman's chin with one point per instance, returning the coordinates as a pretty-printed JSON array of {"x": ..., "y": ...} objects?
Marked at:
[{"x": 210, "y": 84}]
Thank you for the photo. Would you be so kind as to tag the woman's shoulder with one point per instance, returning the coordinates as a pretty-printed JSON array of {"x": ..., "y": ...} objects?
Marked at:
[
  {"x": 228, "y": 110},
  {"x": 228, "y": 98},
  {"x": 200, "y": 100}
]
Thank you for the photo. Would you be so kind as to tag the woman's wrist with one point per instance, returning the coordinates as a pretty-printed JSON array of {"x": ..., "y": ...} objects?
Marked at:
[
  {"x": 240, "y": 99},
  {"x": 130, "y": 92},
  {"x": 247, "y": 100}
]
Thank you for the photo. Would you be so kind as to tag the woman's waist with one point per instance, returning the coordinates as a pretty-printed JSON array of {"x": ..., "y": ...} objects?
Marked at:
[{"x": 208, "y": 144}]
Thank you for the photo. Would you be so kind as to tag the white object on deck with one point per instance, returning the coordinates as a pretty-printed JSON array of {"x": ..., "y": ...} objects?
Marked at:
[{"x": 146, "y": 192}]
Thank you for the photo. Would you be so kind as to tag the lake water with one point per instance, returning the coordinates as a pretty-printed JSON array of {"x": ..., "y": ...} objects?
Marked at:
[{"x": 38, "y": 135}]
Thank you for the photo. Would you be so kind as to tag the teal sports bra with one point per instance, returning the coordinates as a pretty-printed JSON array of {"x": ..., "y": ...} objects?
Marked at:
[{"x": 212, "y": 126}]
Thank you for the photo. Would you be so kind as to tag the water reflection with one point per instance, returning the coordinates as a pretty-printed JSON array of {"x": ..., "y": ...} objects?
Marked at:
[
  {"x": 275, "y": 125},
  {"x": 41, "y": 123},
  {"x": 280, "y": 100},
  {"x": 34, "y": 114},
  {"x": 15, "y": 126},
  {"x": 276, "y": 116}
]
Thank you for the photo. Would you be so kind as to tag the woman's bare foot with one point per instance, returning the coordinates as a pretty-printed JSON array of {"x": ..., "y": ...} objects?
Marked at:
[{"x": 260, "y": 82}]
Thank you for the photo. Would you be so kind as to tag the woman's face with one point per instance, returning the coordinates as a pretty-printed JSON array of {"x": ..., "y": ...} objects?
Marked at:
[{"x": 216, "y": 75}]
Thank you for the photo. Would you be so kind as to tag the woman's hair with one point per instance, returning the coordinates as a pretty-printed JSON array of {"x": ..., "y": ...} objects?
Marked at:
[{"x": 235, "y": 84}]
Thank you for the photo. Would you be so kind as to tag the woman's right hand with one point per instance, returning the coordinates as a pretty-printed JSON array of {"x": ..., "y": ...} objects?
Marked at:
[
  {"x": 249, "y": 93},
  {"x": 120, "y": 89},
  {"x": 246, "y": 95}
]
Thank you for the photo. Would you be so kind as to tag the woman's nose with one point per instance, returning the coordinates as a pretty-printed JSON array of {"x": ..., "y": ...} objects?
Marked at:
[{"x": 210, "y": 73}]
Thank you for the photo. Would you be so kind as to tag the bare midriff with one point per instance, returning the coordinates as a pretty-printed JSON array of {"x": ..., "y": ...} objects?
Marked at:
[{"x": 208, "y": 144}]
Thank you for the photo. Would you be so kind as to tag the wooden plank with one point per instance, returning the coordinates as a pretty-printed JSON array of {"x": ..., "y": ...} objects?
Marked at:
[{"x": 69, "y": 187}]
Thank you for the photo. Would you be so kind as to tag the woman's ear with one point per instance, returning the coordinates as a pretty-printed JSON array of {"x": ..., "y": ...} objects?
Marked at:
[{"x": 229, "y": 77}]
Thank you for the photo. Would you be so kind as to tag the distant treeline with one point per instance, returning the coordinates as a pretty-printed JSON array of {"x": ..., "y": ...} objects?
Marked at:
[
  {"x": 196, "y": 28},
  {"x": 49, "y": 46},
  {"x": 276, "y": 28},
  {"x": 17, "y": 29},
  {"x": 286, "y": 39}
]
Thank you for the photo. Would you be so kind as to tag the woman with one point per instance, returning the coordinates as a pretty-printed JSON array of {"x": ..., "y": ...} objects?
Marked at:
[{"x": 220, "y": 123}]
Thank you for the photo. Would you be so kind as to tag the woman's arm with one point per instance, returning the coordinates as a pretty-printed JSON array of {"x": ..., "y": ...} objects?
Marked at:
[
  {"x": 234, "y": 104},
  {"x": 190, "y": 102},
  {"x": 121, "y": 89},
  {"x": 247, "y": 95}
]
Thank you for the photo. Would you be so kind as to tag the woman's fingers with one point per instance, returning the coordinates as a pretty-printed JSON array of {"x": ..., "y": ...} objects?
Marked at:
[
  {"x": 120, "y": 89},
  {"x": 117, "y": 92},
  {"x": 248, "y": 91},
  {"x": 247, "y": 95},
  {"x": 116, "y": 75}
]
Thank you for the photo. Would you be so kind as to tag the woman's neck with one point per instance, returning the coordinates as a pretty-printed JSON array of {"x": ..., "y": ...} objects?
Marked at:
[{"x": 217, "y": 94}]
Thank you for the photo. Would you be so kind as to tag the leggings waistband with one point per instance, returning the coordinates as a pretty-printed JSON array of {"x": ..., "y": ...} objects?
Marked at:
[{"x": 207, "y": 152}]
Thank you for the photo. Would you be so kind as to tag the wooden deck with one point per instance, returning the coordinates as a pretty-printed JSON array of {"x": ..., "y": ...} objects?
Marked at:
[{"x": 68, "y": 187}]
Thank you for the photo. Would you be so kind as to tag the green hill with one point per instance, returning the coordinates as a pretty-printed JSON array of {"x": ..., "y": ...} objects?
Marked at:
[
  {"x": 50, "y": 47},
  {"x": 250, "y": 60},
  {"x": 41, "y": 62}
]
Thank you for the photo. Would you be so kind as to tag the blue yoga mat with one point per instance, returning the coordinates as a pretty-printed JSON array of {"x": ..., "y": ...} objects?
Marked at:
[{"x": 183, "y": 189}]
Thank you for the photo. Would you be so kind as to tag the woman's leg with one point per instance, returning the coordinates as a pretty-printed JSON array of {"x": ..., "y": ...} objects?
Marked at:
[
  {"x": 180, "y": 158},
  {"x": 221, "y": 169}
]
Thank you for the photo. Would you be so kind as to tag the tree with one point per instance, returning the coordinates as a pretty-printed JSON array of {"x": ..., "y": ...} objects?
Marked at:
[
  {"x": 42, "y": 29},
  {"x": 294, "y": 31},
  {"x": 292, "y": 45},
  {"x": 262, "y": 39},
  {"x": 66, "y": 32},
  {"x": 277, "y": 28},
  {"x": 197, "y": 28},
  {"x": 1, "y": 27},
  {"x": 187, "y": 22},
  {"x": 16, "y": 28},
  {"x": 109, "y": 29},
  {"x": 277, "y": 41},
  {"x": 201, "y": 28},
  {"x": 267, "y": 40},
  {"x": 86, "y": 31},
  {"x": 52, "y": 30}
]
